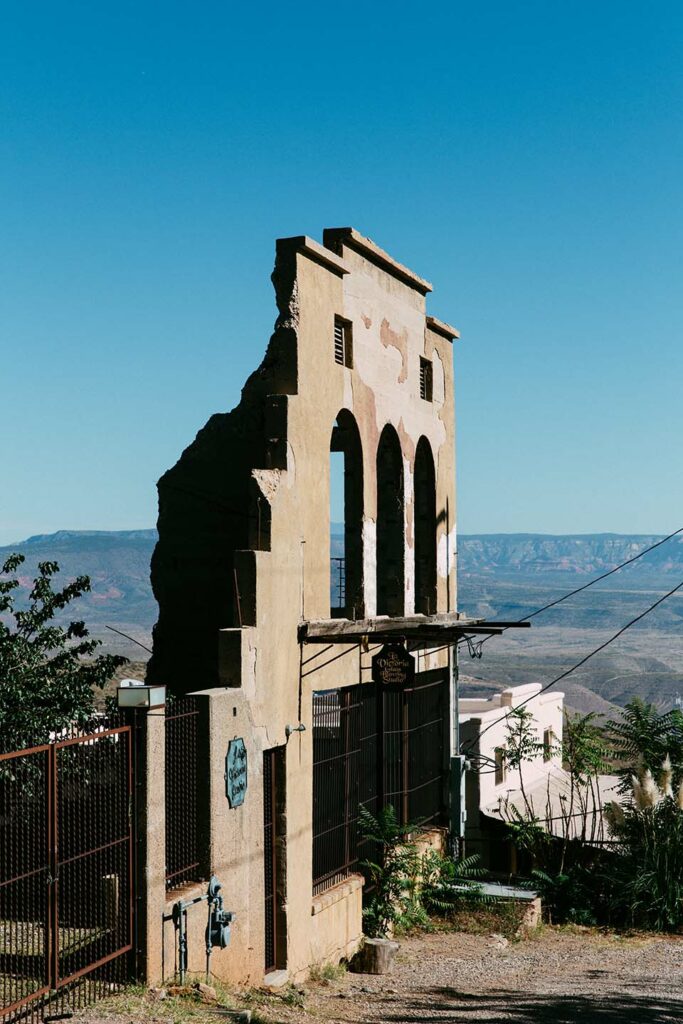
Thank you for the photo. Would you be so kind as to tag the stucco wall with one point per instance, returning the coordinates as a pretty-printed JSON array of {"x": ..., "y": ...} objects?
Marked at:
[
  {"x": 244, "y": 548},
  {"x": 483, "y": 725},
  {"x": 336, "y": 926}
]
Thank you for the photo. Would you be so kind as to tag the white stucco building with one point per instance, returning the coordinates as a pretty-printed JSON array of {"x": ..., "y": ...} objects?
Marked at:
[{"x": 495, "y": 794}]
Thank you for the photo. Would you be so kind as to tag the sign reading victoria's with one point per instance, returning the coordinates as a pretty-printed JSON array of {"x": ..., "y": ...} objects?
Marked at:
[
  {"x": 393, "y": 666},
  {"x": 236, "y": 772}
]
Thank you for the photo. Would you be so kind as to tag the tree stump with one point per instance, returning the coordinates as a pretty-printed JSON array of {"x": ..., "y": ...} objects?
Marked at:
[{"x": 376, "y": 956}]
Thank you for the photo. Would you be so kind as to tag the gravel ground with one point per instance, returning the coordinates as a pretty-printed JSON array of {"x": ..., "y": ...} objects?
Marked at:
[{"x": 557, "y": 976}]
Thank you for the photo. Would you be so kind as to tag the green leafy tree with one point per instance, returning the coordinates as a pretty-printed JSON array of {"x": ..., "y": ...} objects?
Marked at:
[
  {"x": 584, "y": 752},
  {"x": 522, "y": 746},
  {"x": 48, "y": 673}
]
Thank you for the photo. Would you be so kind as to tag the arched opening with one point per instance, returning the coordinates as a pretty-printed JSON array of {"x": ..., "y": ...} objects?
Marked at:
[
  {"x": 346, "y": 519},
  {"x": 390, "y": 528},
  {"x": 425, "y": 529}
]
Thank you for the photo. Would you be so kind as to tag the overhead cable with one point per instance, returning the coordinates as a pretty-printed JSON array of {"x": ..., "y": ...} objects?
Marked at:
[{"x": 591, "y": 654}]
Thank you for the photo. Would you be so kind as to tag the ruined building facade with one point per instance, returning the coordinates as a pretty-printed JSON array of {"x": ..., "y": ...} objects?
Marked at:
[{"x": 354, "y": 366}]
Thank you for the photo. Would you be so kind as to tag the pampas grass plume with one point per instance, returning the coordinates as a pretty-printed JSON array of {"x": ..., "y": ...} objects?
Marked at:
[
  {"x": 638, "y": 796},
  {"x": 665, "y": 779},
  {"x": 650, "y": 790},
  {"x": 614, "y": 813}
]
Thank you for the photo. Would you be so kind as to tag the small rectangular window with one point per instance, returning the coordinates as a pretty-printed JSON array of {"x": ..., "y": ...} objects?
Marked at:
[
  {"x": 343, "y": 343},
  {"x": 425, "y": 379},
  {"x": 548, "y": 744},
  {"x": 499, "y": 754}
]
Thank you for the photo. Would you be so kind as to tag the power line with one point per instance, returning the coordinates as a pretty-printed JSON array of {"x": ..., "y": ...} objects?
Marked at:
[
  {"x": 132, "y": 638},
  {"x": 591, "y": 654},
  {"x": 585, "y": 586}
]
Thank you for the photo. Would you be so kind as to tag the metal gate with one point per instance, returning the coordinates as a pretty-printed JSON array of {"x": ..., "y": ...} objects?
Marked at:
[
  {"x": 273, "y": 867},
  {"x": 66, "y": 872},
  {"x": 372, "y": 747}
]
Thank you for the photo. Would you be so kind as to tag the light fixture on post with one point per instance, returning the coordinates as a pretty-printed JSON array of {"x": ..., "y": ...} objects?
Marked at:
[{"x": 134, "y": 693}]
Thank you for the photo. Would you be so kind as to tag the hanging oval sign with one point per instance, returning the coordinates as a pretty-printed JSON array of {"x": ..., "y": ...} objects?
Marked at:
[
  {"x": 393, "y": 666},
  {"x": 236, "y": 772}
]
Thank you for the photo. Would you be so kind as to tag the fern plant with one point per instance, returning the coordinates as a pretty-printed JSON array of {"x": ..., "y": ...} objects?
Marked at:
[
  {"x": 445, "y": 884},
  {"x": 404, "y": 888},
  {"x": 391, "y": 875}
]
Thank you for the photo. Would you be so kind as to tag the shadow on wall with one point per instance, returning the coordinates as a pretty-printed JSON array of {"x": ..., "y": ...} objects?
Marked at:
[
  {"x": 212, "y": 516},
  {"x": 449, "y": 1005}
]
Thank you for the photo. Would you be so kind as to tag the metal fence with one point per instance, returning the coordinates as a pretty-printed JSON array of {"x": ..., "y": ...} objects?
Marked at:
[
  {"x": 336, "y": 763},
  {"x": 416, "y": 733},
  {"x": 372, "y": 748},
  {"x": 66, "y": 873},
  {"x": 183, "y": 832}
]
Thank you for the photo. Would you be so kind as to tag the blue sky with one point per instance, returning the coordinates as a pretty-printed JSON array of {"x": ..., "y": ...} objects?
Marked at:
[{"x": 526, "y": 158}]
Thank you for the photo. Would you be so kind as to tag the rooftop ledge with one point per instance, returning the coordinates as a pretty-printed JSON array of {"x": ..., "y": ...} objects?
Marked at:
[
  {"x": 335, "y": 238},
  {"x": 315, "y": 251},
  {"x": 451, "y": 333}
]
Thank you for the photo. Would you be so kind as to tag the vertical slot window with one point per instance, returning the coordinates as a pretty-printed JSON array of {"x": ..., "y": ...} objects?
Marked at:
[
  {"x": 548, "y": 744},
  {"x": 426, "y": 379},
  {"x": 501, "y": 773},
  {"x": 343, "y": 342}
]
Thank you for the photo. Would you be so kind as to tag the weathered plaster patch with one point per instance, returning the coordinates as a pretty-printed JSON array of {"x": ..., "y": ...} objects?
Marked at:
[
  {"x": 445, "y": 553},
  {"x": 407, "y": 443},
  {"x": 408, "y": 501},
  {"x": 398, "y": 341},
  {"x": 439, "y": 435},
  {"x": 438, "y": 379},
  {"x": 268, "y": 481},
  {"x": 370, "y": 566},
  {"x": 249, "y": 654},
  {"x": 364, "y": 407},
  {"x": 366, "y": 320}
]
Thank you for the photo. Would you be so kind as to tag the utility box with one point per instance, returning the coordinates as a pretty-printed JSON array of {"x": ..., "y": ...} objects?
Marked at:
[{"x": 458, "y": 805}]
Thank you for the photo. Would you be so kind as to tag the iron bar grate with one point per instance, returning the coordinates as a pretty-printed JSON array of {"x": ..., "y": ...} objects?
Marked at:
[{"x": 183, "y": 859}]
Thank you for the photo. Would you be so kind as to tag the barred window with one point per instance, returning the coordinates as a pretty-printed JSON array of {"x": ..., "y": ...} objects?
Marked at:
[
  {"x": 343, "y": 342},
  {"x": 425, "y": 379}
]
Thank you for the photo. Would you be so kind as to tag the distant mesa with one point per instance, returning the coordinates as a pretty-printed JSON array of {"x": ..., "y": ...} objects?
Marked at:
[{"x": 500, "y": 576}]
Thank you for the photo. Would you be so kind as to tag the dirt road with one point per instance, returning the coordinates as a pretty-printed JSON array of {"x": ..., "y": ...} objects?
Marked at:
[{"x": 555, "y": 977}]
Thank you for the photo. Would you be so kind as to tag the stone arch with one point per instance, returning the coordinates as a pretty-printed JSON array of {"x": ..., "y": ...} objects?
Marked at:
[
  {"x": 390, "y": 525},
  {"x": 348, "y": 601},
  {"x": 424, "y": 477}
]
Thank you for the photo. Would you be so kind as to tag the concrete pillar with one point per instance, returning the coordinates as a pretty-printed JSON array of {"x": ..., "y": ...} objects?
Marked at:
[{"x": 149, "y": 732}]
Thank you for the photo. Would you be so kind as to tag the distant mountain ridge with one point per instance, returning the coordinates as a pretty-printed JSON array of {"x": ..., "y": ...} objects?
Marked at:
[
  {"x": 125, "y": 554},
  {"x": 118, "y": 564},
  {"x": 583, "y": 554},
  {"x": 499, "y": 576},
  {"x": 65, "y": 536}
]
